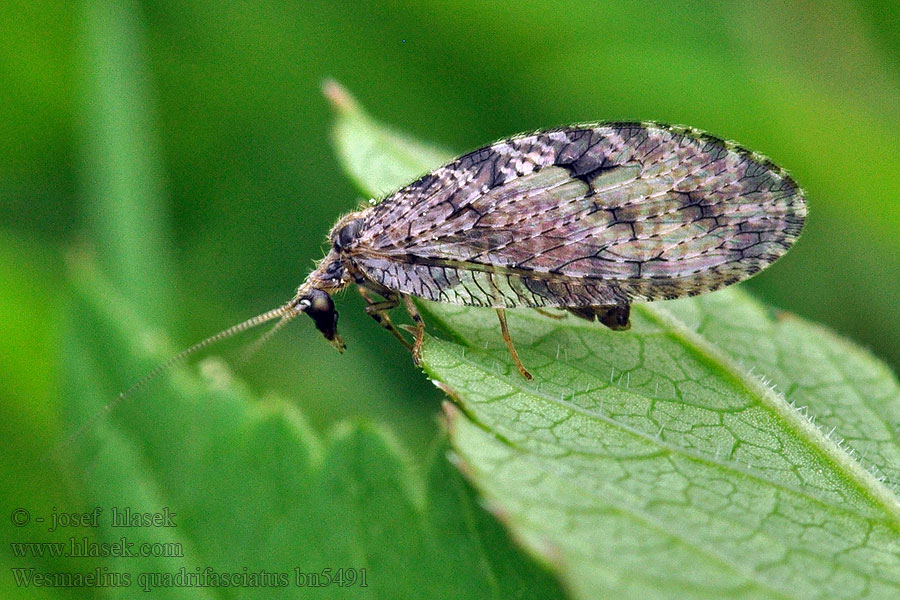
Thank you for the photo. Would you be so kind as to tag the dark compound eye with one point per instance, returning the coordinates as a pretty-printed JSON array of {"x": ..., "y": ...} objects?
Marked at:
[
  {"x": 321, "y": 311},
  {"x": 347, "y": 234}
]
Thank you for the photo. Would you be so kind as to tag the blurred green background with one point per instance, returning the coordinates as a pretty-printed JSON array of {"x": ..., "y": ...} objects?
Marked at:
[{"x": 194, "y": 132}]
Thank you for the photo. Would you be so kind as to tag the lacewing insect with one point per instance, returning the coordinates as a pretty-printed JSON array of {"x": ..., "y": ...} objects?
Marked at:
[{"x": 586, "y": 218}]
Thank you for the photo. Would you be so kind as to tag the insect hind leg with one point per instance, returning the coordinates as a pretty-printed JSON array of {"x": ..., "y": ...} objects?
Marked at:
[
  {"x": 615, "y": 316},
  {"x": 549, "y": 314},
  {"x": 504, "y": 330}
]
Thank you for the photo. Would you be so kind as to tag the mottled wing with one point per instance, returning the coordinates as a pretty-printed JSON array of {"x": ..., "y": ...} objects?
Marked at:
[{"x": 584, "y": 215}]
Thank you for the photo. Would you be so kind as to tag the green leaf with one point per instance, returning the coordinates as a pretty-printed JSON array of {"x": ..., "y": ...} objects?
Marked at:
[
  {"x": 253, "y": 487},
  {"x": 378, "y": 159},
  {"x": 713, "y": 450},
  {"x": 245, "y": 487},
  {"x": 121, "y": 174}
]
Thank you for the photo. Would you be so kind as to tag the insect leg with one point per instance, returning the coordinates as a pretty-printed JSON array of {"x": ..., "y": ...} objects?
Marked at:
[
  {"x": 410, "y": 307},
  {"x": 504, "y": 330},
  {"x": 378, "y": 311},
  {"x": 549, "y": 314}
]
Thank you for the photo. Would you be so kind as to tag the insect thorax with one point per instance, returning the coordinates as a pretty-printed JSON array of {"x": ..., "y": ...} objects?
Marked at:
[{"x": 347, "y": 229}]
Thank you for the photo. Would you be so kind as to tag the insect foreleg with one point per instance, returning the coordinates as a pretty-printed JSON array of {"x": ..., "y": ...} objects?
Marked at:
[
  {"x": 378, "y": 311},
  {"x": 504, "y": 330}
]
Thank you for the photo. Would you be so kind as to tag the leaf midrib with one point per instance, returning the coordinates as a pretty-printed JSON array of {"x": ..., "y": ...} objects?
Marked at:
[
  {"x": 637, "y": 433},
  {"x": 839, "y": 366},
  {"x": 863, "y": 479},
  {"x": 627, "y": 509},
  {"x": 778, "y": 407}
]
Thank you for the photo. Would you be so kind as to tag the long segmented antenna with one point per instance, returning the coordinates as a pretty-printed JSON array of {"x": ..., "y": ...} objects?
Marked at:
[
  {"x": 288, "y": 311},
  {"x": 253, "y": 348},
  {"x": 285, "y": 312}
]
